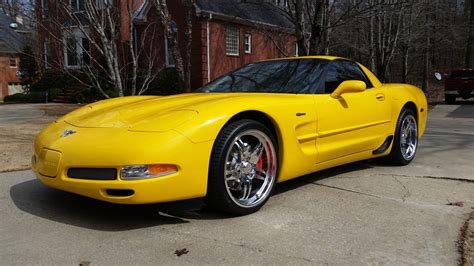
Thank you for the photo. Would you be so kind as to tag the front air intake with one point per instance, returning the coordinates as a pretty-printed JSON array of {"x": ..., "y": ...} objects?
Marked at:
[{"x": 93, "y": 173}]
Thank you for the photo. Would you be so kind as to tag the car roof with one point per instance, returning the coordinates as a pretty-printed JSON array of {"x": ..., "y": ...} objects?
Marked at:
[{"x": 325, "y": 57}]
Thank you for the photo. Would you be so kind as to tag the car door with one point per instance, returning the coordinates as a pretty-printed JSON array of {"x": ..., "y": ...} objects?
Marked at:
[{"x": 354, "y": 123}]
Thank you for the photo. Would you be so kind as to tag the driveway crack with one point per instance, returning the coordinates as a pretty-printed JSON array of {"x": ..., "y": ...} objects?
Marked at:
[
  {"x": 407, "y": 191},
  {"x": 433, "y": 177},
  {"x": 344, "y": 189}
]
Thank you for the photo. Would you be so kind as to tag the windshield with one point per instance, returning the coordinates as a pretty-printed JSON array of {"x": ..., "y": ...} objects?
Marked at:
[{"x": 280, "y": 76}]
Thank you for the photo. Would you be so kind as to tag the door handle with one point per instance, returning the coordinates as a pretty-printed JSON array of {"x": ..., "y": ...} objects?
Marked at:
[{"x": 380, "y": 97}]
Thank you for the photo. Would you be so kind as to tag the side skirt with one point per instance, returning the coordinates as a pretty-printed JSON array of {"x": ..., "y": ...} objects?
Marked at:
[{"x": 384, "y": 147}]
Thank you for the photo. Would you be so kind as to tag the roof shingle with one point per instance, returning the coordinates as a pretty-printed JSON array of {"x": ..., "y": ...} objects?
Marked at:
[
  {"x": 11, "y": 42},
  {"x": 260, "y": 12}
]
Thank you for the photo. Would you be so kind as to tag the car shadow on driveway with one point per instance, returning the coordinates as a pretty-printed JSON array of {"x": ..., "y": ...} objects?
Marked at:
[
  {"x": 331, "y": 172},
  {"x": 34, "y": 198},
  {"x": 67, "y": 208}
]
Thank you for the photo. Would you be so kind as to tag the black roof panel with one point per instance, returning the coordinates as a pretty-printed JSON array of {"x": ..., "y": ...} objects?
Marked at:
[{"x": 262, "y": 12}]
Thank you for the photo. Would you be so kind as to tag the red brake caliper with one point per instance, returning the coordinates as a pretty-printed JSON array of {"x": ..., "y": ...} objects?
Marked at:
[{"x": 263, "y": 158}]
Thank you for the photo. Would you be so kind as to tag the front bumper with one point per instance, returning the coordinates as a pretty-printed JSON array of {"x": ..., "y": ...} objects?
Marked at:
[{"x": 115, "y": 148}]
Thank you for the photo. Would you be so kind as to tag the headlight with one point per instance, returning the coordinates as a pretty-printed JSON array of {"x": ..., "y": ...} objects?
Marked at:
[{"x": 137, "y": 172}]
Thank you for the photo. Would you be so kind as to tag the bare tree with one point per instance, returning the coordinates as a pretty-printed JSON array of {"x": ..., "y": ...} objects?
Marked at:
[
  {"x": 11, "y": 7},
  {"x": 182, "y": 58},
  {"x": 314, "y": 20},
  {"x": 113, "y": 57}
]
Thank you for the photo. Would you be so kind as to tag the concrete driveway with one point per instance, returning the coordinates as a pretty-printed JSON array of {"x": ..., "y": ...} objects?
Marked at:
[
  {"x": 363, "y": 213},
  {"x": 19, "y": 124}
]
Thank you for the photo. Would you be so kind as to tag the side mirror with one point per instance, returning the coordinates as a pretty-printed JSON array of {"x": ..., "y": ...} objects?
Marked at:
[
  {"x": 438, "y": 76},
  {"x": 349, "y": 86}
]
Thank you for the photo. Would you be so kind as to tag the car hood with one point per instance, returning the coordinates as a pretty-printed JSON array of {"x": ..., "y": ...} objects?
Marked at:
[{"x": 144, "y": 113}]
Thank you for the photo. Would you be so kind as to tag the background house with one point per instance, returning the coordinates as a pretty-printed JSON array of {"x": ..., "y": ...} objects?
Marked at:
[
  {"x": 226, "y": 35},
  {"x": 12, "y": 41}
]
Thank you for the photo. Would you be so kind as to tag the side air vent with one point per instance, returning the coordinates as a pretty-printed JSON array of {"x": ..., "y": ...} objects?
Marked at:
[{"x": 120, "y": 192}]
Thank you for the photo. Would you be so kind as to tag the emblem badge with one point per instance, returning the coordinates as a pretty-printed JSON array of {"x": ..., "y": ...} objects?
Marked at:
[{"x": 68, "y": 133}]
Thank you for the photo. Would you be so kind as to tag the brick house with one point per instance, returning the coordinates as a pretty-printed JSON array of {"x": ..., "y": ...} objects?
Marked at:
[
  {"x": 12, "y": 41},
  {"x": 226, "y": 34}
]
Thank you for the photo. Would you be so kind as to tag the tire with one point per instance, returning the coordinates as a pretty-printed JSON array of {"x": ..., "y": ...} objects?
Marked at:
[
  {"x": 243, "y": 168},
  {"x": 449, "y": 99},
  {"x": 405, "y": 142}
]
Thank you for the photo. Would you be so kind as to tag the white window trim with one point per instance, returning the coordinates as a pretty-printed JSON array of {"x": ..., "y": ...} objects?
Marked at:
[
  {"x": 167, "y": 55},
  {"x": 78, "y": 4},
  {"x": 44, "y": 7},
  {"x": 78, "y": 35},
  {"x": 238, "y": 41},
  {"x": 248, "y": 37},
  {"x": 16, "y": 62}
]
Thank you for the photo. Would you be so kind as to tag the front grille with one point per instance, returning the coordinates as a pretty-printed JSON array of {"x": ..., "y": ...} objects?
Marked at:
[{"x": 93, "y": 173}]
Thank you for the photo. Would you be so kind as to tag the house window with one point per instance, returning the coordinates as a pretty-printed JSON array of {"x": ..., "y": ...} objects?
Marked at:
[
  {"x": 102, "y": 4},
  {"x": 169, "y": 45},
  {"x": 47, "y": 55},
  {"x": 86, "y": 58},
  {"x": 76, "y": 50},
  {"x": 77, "y": 5},
  {"x": 248, "y": 43},
  {"x": 282, "y": 3},
  {"x": 71, "y": 52},
  {"x": 232, "y": 40},
  {"x": 44, "y": 7},
  {"x": 169, "y": 53},
  {"x": 13, "y": 62}
]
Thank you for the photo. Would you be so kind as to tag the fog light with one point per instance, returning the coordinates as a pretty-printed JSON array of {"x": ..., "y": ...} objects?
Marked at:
[{"x": 137, "y": 172}]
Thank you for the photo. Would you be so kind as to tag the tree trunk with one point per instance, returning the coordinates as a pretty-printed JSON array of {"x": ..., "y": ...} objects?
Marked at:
[
  {"x": 426, "y": 65},
  {"x": 470, "y": 41},
  {"x": 405, "y": 65},
  {"x": 188, "y": 39},
  {"x": 182, "y": 63},
  {"x": 372, "y": 45}
]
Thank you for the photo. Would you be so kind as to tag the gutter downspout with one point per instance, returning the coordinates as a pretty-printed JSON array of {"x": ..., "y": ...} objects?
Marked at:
[{"x": 208, "y": 41}]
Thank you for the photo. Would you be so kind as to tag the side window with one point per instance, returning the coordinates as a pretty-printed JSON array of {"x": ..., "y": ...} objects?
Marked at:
[
  {"x": 356, "y": 73},
  {"x": 340, "y": 71},
  {"x": 334, "y": 77}
]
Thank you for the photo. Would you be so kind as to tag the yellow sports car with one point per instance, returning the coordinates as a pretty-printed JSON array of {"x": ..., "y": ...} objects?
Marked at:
[{"x": 233, "y": 139}]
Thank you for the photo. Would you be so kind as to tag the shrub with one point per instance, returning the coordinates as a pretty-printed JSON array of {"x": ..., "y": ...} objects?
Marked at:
[
  {"x": 167, "y": 83},
  {"x": 87, "y": 96},
  {"x": 32, "y": 97},
  {"x": 51, "y": 79}
]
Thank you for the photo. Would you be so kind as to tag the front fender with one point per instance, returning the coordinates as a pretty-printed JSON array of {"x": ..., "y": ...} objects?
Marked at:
[{"x": 401, "y": 95}]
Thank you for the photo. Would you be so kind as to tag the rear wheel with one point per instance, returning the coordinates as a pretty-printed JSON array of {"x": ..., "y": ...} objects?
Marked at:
[
  {"x": 405, "y": 141},
  {"x": 243, "y": 168}
]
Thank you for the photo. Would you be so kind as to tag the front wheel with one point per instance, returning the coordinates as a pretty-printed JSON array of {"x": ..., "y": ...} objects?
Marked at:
[
  {"x": 243, "y": 168},
  {"x": 406, "y": 139}
]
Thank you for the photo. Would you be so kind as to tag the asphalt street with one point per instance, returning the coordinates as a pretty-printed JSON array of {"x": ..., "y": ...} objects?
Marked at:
[{"x": 363, "y": 213}]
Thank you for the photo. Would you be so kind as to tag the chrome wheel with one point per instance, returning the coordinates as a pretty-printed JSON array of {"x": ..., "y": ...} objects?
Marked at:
[
  {"x": 408, "y": 137},
  {"x": 250, "y": 168}
]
